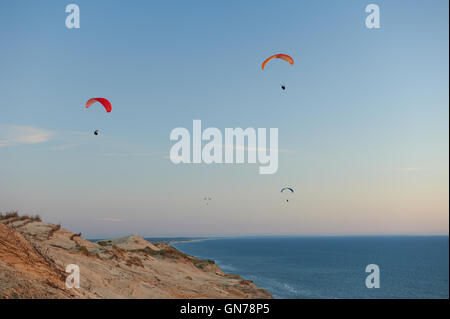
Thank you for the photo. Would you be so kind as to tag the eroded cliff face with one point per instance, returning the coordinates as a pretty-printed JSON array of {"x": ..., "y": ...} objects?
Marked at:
[{"x": 34, "y": 256}]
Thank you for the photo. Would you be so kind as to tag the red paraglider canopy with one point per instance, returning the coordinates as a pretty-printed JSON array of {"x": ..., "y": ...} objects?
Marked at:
[{"x": 103, "y": 101}]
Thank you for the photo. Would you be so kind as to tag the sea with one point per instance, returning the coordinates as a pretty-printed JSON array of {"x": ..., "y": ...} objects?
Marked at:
[{"x": 333, "y": 267}]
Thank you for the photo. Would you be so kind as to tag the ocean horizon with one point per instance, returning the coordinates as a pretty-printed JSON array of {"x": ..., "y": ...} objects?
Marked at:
[{"x": 332, "y": 267}]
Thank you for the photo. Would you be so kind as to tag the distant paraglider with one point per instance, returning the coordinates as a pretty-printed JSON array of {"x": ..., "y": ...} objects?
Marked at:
[{"x": 288, "y": 190}]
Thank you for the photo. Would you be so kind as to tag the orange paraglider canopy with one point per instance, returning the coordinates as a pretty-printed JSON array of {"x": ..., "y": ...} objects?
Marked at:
[
  {"x": 101, "y": 100},
  {"x": 284, "y": 57}
]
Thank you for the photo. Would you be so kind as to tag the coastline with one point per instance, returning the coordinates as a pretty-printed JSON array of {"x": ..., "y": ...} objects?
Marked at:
[{"x": 315, "y": 266}]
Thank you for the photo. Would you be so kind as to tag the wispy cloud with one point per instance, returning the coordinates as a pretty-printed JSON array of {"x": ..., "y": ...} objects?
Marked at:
[
  {"x": 66, "y": 146},
  {"x": 13, "y": 135},
  {"x": 411, "y": 169},
  {"x": 247, "y": 148},
  {"x": 65, "y": 140},
  {"x": 128, "y": 154},
  {"x": 108, "y": 219},
  {"x": 133, "y": 154}
]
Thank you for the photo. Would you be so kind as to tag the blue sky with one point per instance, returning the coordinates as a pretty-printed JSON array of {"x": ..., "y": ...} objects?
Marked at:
[{"x": 363, "y": 122}]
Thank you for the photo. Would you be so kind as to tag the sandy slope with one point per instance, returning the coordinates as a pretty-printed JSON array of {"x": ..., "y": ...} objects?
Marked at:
[{"x": 33, "y": 257}]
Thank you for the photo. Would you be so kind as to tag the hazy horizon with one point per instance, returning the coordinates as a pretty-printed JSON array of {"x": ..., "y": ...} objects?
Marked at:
[{"x": 198, "y": 238}]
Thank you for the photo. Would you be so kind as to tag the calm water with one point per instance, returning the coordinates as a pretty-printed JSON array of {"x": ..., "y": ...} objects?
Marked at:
[{"x": 333, "y": 267}]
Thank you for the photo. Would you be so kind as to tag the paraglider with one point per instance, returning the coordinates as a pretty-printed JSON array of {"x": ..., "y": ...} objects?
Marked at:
[
  {"x": 289, "y": 190},
  {"x": 284, "y": 57},
  {"x": 106, "y": 104}
]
